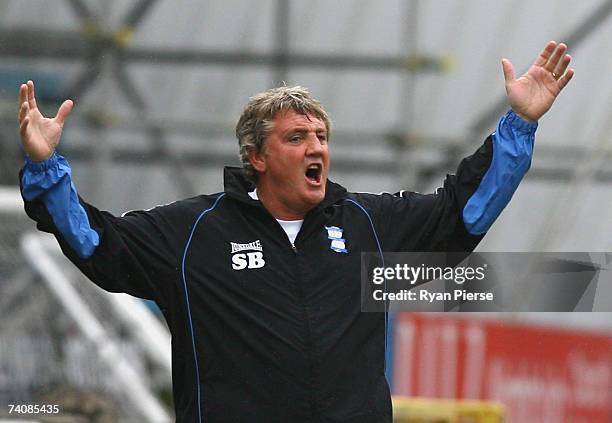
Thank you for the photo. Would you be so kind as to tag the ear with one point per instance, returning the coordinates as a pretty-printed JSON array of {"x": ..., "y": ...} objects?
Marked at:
[{"x": 258, "y": 160}]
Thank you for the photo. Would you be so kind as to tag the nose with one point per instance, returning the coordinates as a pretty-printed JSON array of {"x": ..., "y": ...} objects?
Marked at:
[{"x": 314, "y": 146}]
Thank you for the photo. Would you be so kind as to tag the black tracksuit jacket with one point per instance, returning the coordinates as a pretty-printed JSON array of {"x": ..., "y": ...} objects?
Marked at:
[{"x": 284, "y": 341}]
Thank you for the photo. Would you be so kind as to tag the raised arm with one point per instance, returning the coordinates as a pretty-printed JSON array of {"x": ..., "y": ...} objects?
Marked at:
[
  {"x": 47, "y": 176},
  {"x": 457, "y": 216},
  {"x": 530, "y": 97},
  {"x": 129, "y": 254}
]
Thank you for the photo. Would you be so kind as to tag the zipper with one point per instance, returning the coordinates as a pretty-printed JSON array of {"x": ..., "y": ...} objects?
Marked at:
[{"x": 308, "y": 338}]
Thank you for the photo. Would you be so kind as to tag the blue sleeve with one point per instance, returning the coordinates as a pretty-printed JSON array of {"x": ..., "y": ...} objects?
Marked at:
[
  {"x": 512, "y": 152},
  {"x": 51, "y": 182}
]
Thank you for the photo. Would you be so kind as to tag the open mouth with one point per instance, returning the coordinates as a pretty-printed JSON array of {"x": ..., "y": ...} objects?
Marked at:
[{"x": 313, "y": 173}]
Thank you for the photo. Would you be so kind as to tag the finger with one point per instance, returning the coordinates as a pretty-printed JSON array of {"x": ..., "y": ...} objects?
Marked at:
[
  {"x": 546, "y": 53},
  {"x": 23, "y": 94},
  {"x": 31, "y": 95},
  {"x": 64, "y": 111},
  {"x": 553, "y": 62},
  {"x": 23, "y": 111},
  {"x": 508, "y": 71},
  {"x": 566, "y": 78},
  {"x": 562, "y": 66},
  {"x": 23, "y": 127}
]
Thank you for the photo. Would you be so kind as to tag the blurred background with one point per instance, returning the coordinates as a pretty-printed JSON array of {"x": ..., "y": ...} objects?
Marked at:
[{"x": 412, "y": 86}]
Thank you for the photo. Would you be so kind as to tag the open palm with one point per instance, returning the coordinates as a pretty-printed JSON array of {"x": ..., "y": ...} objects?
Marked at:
[
  {"x": 39, "y": 135},
  {"x": 534, "y": 93}
]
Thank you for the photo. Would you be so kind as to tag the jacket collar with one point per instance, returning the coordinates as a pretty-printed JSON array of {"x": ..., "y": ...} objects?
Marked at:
[{"x": 237, "y": 186}]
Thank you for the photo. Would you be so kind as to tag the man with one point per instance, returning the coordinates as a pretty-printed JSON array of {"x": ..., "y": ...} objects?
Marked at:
[{"x": 260, "y": 284}]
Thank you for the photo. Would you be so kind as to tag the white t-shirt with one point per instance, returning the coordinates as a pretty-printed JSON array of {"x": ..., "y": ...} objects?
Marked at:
[{"x": 291, "y": 227}]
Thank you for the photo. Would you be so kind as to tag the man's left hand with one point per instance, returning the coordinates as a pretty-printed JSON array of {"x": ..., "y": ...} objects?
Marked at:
[{"x": 532, "y": 94}]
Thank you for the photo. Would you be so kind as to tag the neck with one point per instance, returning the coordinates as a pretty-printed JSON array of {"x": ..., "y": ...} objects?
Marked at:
[{"x": 276, "y": 207}]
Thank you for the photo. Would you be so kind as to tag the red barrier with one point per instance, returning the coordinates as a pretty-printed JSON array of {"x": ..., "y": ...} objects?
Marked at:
[{"x": 542, "y": 374}]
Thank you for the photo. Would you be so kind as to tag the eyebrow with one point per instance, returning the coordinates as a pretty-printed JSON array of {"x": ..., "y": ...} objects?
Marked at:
[{"x": 304, "y": 129}]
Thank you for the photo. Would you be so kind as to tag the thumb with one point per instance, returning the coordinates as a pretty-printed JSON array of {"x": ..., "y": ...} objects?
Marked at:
[
  {"x": 64, "y": 111},
  {"x": 508, "y": 70}
]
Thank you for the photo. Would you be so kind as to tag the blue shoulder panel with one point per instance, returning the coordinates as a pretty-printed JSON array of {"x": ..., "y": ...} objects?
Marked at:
[
  {"x": 512, "y": 152},
  {"x": 51, "y": 182}
]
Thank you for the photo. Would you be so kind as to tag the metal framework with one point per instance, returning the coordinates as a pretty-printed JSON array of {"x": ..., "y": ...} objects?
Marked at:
[
  {"x": 111, "y": 50},
  {"x": 575, "y": 38},
  {"x": 106, "y": 346},
  {"x": 99, "y": 48}
]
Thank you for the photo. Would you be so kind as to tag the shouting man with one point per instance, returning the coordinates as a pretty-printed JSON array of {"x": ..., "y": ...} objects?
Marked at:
[{"x": 260, "y": 284}]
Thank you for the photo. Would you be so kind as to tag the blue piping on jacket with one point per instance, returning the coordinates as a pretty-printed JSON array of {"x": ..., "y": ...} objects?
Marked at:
[
  {"x": 383, "y": 263},
  {"x": 193, "y": 344}
]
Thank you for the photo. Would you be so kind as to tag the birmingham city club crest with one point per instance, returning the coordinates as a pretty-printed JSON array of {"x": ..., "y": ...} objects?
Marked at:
[{"x": 338, "y": 244}]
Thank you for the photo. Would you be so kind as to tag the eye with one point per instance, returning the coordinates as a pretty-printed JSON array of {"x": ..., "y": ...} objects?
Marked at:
[
  {"x": 322, "y": 138},
  {"x": 295, "y": 139}
]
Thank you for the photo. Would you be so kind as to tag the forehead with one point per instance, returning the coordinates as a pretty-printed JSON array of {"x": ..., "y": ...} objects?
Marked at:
[{"x": 286, "y": 121}]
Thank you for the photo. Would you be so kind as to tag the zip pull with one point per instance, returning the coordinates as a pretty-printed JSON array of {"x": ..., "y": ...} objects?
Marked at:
[{"x": 294, "y": 248}]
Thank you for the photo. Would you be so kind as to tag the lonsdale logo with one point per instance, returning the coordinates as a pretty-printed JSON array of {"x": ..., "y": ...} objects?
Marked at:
[{"x": 249, "y": 255}]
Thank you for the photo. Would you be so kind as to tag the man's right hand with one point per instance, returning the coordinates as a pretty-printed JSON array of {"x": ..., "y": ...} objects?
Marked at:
[{"x": 39, "y": 135}]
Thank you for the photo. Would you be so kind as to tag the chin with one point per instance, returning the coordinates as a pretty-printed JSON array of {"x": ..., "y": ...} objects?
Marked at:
[{"x": 314, "y": 198}]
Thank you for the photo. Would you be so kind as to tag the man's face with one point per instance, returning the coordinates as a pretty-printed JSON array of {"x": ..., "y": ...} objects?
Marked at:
[{"x": 293, "y": 165}]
